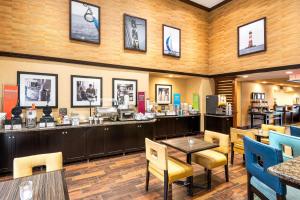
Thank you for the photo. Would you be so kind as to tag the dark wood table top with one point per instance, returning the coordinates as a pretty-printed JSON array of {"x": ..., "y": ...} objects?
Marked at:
[
  {"x": 288, "y": 172},
  {"x": 183, "y": 145},
  {"x": 46, "y": 186}
]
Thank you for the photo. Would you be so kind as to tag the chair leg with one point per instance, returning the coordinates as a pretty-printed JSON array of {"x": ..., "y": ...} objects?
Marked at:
[
  {"x": 243, "y": 158},
  {"x": 208, "y": 179},
  {"x": 147, "y": 176},
  {"x": 190, "y": 186},
  {"x": 232, "y": 153},
  {"x": 170, "y": 191},
  {"x": 250, "y": 192},
  {"x": 166, "y": 185},
  {"x": 226, "y": 173}
]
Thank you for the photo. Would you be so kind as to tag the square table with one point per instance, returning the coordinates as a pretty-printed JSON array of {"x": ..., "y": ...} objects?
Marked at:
[
  {"x": 46, "y": 186},
  {"x": 288, "y": 172},
  {"x": 182, "y": 144}
]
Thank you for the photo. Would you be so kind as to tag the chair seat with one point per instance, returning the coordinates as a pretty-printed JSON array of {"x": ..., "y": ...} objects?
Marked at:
[
  {"x": 292, "y": 193},
  {"x": 177, "y": 169},
  {"x": 209, "y": 159}
]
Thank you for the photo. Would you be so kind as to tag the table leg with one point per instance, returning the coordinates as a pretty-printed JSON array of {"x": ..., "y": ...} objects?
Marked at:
[
  {"x": 251, "y": 116},
  {"x": 258, "y": 138}
]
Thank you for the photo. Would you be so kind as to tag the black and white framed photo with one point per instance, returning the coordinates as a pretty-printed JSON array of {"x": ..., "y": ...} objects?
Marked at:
[
  {"x": 86, "y": 90},
  {"x": 163, "y": 94},
  {"x": 135, "y": 33},
  {"x": 84, "y": 22},
  {"x": 252, "y": 37},
  {"x": 125, "y": 91},
  {"x": 171, "y": 41},
  {"x": 37, "y": 88}
]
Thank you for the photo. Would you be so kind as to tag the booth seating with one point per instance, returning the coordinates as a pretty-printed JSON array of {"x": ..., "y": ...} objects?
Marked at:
[
  {"x": 280, "y": 141},
  {"x": 260, "y": 182},
  {"x": 267, "y": 128},
  {"x": 295, "y": 131},
  {"x": 217, "y": 157},
  {"x": 236, "y": 139},
  {"x": 23, "y": 166},
  {"x": 166, "y": 169}
]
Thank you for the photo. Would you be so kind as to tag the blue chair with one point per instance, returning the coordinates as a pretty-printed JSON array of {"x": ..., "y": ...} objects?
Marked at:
[
  {"x": 295, "y": 131},
  {"x": 260, "y": 182},
  {"x": 278, "y": 141}
]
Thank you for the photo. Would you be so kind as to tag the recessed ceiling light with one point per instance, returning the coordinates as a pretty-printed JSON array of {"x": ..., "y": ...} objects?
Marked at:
[
  {"x": 245, "y": 76},
  {"x": 264, "y": 82},
  {"x": 289, "y": 72},
  {"x": 170, "y": 75}
]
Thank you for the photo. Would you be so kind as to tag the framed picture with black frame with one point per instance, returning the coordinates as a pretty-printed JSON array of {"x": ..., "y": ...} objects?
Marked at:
[
  {"x": 124, "y": 90},
  {"x": 171, "y": 41},
  {"x": 252, "y": 37},
  {"x": 163, "y": 94},
  {"x": 86, "y": 91},
  {"x": 84, "y": 22},
  {"x": 135, "y": 33},
  {"x": 40, "y": 89}
]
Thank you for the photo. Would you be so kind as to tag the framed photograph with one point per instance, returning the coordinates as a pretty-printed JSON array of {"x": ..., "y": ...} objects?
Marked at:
[
  {"x": 135, "y": 33},
  {"x": 84, "y": 22},
  {"x": 171, "y": 41},
  {"x": 37, "y": 88},
  {"x": 86, "y": 89},
  {"x": 252, "y": 37},
  {"x": 125, "y": 90},
  {"x": 163, "y": 94}
]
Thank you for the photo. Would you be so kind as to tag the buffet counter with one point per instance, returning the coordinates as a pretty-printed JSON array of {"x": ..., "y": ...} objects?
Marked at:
[{"x": 87, "y": 141}]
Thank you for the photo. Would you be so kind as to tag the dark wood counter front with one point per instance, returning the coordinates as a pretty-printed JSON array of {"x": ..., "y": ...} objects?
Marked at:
[{"x": 218, "y": 123}]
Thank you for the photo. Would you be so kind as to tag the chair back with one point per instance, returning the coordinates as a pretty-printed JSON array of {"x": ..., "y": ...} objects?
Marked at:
[
  {"x": 268, "y": 127},
  {"x": 156, "y": 154},
  {"x": 237, "y": 135},
  {"x": 269, "y": 156},
  {"x": 220, "y": 138},
  {"x": 295, "y": 131},
  {"x": 23, "y": 166},
  {"x": 278, "y": 141}
]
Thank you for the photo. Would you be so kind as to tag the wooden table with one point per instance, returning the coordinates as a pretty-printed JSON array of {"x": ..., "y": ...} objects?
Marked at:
[
  {"x": 46, "y": 186},
  {"x": 259, "y": 136},
  {"x": 183, "y": 145},
  {"x": 288, "y": 172}
]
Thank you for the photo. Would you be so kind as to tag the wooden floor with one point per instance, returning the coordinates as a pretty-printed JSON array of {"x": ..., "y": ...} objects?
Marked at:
[{"x": 123, "y": 178}]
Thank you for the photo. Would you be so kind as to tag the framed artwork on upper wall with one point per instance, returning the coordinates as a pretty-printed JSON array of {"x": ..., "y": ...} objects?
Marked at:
[
  {"x": 37, "y": 88},
  {"x": 252, "y": 37},
  {"x": 84, "y": 22},
  {"x": 86, "y": 89},
  {"x": 135, "y": 33},
  {"x": 171, "y": 41},
  {"x": 124, "y": 90},
  {"x": 163, "y": 94}
]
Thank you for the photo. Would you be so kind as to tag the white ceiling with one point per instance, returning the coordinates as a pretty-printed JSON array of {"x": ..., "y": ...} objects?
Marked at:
[
  {"x": 282, "y": 74},
  {"x": 208, "y": 3}
]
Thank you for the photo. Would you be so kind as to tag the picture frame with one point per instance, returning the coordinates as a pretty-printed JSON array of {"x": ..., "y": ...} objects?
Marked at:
[
  {"x": 122, "y": 87},
  {"x": 40, "y": 89},
  {"x": 171, "y": 41},
  {"x": 252, "y": 37},
  {"x": 163, "y": 94},
  {"x": 84, "y": 23},
  {"x": 85, "y": 89},
  {"x": 135, "y": 33}
]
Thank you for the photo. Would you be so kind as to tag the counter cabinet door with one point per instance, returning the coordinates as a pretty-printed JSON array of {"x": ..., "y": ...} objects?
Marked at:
[
  {"x": 162, "y": 128},
  {"x": 147, "y": 130},
  {"x": 194, "y": 124},
  {"x": 6, "y": 152},
  {"x": 113, "y": 139},
  {"x": 181, "y": 126},
  {"x": 74, "y": 140},
  {"x": 95, "y": 142},
  {"x": 28, "y": 143}
]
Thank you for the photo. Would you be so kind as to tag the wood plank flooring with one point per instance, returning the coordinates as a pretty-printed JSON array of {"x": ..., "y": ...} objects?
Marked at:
[{"x": 123, "y": 178}]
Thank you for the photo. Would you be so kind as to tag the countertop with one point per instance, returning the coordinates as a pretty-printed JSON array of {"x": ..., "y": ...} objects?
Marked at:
[
  {"x": 85, "y": 125},
  {"x": 176, "y": 116},
  {"x": 287, "y": 171},
  {"x": 220, "y": 116}
]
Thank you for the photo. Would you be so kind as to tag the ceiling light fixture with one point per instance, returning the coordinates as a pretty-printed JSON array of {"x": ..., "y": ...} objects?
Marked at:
[
  {"x": 171, "y": 76},
  {"x": 264, "y": 82},
  {"x": 245, "y": 76},
  {"x": 289, "y": 72}
]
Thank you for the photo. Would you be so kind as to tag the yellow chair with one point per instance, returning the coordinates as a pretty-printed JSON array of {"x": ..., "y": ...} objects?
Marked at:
[
  {"x": 269, "y": 127},
  {"x": 236, "y": 140},
  {"x": 165, "y": 168},
  {"x": 216, "y": 157},
  {"x": 23, "y": 166}
]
